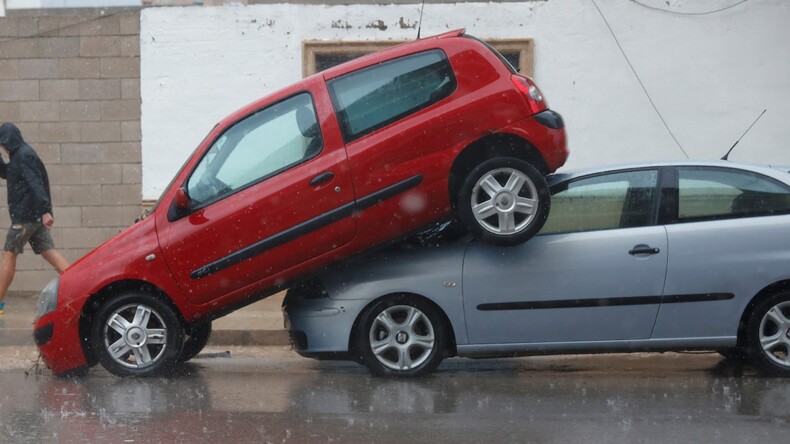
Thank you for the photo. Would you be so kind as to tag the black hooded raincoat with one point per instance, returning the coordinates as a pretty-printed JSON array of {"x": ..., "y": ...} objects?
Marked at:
[{"x": 28, "y": 184}]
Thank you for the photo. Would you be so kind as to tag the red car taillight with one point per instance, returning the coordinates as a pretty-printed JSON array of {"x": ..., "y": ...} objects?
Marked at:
[{"x": 535, "y": 101}]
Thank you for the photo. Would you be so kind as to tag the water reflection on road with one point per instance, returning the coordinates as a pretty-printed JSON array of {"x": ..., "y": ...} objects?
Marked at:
[{"x": 608, "y": 398}]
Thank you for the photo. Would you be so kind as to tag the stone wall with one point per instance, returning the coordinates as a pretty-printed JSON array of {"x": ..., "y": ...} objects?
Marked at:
[{"x": 72, "y": 85}]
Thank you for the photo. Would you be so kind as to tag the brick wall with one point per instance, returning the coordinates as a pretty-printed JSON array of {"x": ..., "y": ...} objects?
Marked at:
[{"x": 72, "y": 85}]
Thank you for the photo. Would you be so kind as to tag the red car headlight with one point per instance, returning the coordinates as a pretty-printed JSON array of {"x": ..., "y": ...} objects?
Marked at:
[{"x": 48, "y": 301}]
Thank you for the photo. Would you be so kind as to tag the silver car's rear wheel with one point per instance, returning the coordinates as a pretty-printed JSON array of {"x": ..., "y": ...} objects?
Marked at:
[
  {"x": 769, "y": 335},
  {"x": 401, "y": 335},
  {"x": 775, "y": 334},
  {"x": 136, "y": 334}
]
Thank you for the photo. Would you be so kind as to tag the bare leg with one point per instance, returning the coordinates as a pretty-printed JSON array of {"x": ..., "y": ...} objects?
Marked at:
[
  {"x": 55, "y": 259},
  {"x": 7, "y": 269}
]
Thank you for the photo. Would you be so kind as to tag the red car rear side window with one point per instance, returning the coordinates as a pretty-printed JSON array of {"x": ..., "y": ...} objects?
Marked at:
[{"x": 374, "y": 97}]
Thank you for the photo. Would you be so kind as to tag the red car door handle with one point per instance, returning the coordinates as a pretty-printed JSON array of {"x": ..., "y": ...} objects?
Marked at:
[
  {"x": 326, "y": 176},
  {"x": 643, "y": 249}
]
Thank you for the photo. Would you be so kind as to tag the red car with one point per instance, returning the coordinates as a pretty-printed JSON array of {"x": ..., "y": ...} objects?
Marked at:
[{"x": 333, "y": 165}]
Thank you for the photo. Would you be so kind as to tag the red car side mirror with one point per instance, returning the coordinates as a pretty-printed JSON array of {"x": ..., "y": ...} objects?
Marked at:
[{"x": 182, "y": 199}]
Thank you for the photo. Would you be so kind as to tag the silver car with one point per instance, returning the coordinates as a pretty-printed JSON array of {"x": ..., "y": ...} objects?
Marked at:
[{"x": 654, "y": 257}]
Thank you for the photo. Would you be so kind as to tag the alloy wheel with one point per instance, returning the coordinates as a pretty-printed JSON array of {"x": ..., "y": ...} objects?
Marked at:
[
  {"x": 504, "y": 201},
  {"x": 402, "y": 337},
  {"x": 135, "y": 336},
  {"x": 774, "y": 334}
]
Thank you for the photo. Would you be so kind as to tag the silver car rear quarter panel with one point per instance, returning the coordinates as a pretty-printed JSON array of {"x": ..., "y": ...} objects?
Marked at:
[{"x": 738, "y": 256}]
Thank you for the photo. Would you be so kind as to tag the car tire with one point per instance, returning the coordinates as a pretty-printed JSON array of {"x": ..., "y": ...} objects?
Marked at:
[
  {"x": 197, "y": 340},
  {"x": 136, "y": 334},
  {"x": 504, "y": 201},
  {"x": 769, "y": 335},
  {"x": 401, "y": 336}
]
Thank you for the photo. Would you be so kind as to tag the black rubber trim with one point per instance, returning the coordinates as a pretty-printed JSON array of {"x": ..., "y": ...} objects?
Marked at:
[
  {"x": 274, "y": 241},
  {"x": 605, "y": 302},
  {"x": 549, "y": 118},
  {"x": 44, "y": 334},
  {"x": 390, "y": 191},
  {"x": 305, "y": 227},
  {"x": 703, "y": 297}
]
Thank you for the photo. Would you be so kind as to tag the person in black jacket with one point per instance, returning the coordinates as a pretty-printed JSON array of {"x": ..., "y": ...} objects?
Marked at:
[{"x": 29, "y": 204}]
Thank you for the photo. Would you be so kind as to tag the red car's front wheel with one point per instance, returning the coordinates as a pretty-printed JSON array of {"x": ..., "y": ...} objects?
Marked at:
[{"x": 136, "y": 334}]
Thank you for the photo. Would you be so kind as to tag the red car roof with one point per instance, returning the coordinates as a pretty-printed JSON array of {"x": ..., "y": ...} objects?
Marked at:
[
  {"x": 389, "y": 53},
  {"x": 344, "y": 68}
]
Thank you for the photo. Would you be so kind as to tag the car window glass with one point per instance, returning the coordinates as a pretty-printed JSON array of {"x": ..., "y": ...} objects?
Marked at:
[
  {"x": 605, "y": 202},
  {"x": 371, "y": 98},
  {"x": 707, "y": 194},
  {"x": 256, "y": 147}
]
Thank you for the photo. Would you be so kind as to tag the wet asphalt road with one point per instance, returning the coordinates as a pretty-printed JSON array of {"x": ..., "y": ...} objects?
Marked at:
[{"x": 271, "y": 395}]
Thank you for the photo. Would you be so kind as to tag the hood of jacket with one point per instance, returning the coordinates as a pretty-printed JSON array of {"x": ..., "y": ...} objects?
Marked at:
[{"x": 11, "y": 137}]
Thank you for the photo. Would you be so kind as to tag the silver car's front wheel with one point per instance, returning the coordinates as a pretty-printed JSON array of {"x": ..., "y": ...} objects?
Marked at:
[
  {"x": 401, "y": 335},
  {"x": 135, "y": 335},
  {"x": 769, "y": 335}
]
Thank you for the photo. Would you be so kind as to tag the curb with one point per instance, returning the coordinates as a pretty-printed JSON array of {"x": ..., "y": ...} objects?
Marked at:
[
  {"x": 16, "y": 337},
  {"x": 249, "y": 337}
]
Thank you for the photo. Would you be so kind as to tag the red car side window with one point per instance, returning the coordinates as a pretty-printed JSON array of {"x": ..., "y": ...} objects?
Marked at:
[{"x": 374, "y": 97}]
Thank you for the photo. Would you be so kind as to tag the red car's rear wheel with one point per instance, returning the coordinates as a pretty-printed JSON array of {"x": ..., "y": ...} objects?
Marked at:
[{"x": 504, "y": 201}]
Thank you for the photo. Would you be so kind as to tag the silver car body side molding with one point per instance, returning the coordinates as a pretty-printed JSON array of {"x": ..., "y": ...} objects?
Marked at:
[{"x": 549, "y": 348}]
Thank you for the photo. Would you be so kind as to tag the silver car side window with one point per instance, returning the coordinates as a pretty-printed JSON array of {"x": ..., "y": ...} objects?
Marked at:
[
  {"x": 716, "y": 193},
  {"x": 603, "y": 202}
]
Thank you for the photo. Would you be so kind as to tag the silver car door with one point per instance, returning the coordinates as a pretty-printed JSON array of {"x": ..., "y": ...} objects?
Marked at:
[
  {"x": 729, "y": 240},
  {"x": 596, "y": 272}
]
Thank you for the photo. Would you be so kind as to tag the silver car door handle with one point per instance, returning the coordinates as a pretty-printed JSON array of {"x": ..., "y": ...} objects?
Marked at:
[{"x": 643, "y": 249}]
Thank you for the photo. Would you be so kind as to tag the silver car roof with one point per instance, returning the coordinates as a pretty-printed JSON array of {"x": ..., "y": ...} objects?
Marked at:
[{"x": 781, "y": 173}]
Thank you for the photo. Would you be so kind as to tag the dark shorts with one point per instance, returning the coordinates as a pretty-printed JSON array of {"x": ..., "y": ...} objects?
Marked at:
[{"x": 20, "y": 234}]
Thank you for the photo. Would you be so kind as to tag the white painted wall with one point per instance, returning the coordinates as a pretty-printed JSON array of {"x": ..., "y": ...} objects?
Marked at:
[{"x": 709, "y": 75}]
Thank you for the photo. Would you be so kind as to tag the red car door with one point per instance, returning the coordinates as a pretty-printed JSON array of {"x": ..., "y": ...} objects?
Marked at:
[{"x": 270, "y": 193}]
